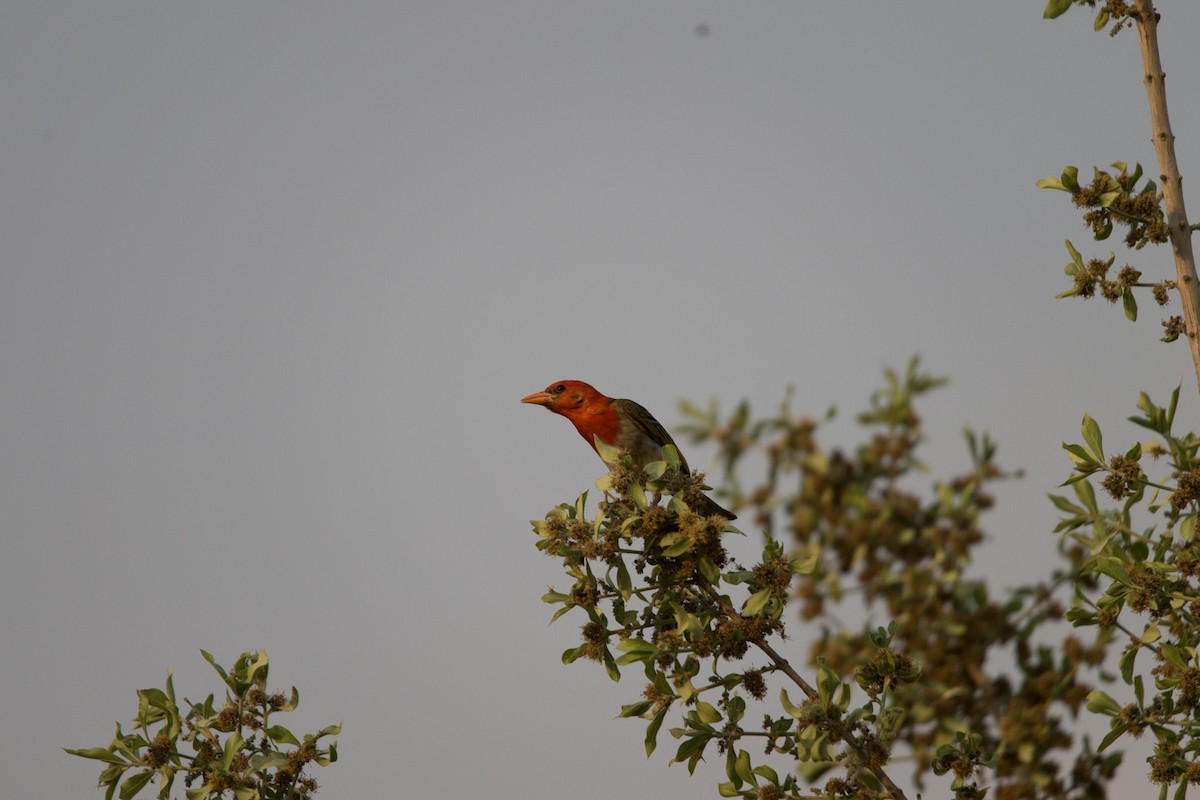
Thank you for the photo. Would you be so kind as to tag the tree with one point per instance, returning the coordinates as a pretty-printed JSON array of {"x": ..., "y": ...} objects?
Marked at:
[
  {"x": 974, "y": 686},
  {"x": 662, "y": 593},
  {"x": 237, "y": 751}
]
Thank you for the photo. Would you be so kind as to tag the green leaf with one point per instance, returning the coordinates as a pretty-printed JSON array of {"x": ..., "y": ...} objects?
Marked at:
[
  {"x": 671, "y": 456},
  {"x": 1063, "y": 504},
  {"x": 677, "y": 548},
  {"x": 871, "y": 781},
  {"x": 1087, "y": 496},
  {"x": 690, "y": 746},
  {"x": 1187, "y": 528},
  {"x": 1091, "y": 435},
  {"x": 1114, "y": 569},
  {"x": 278, "y": 733},
  {"x": 735, "y": 709},
  {"x": 134, "y": 783},
  {"x": 1079, "y": 476},
  {"x": 767, "y": 772},
  {"x": 742, "y": 765},
  {"x": 828, "y": 682},
  {"x": 260, "y": 664},
  {"x": 329, "y": 730},
  {"x": 166, "y": 782},
  {"x": 807, "y": 565},
  {"x": 1174, "y": 655},
  {"x": 756, "y": 602},
  {"x": 198, "y": 793},
  {"x": 1080, "y": 617},
  {"x": 707, "y": 713},
  {"x": 1078, "y": 259},
  {"x": 1115, "y": 733},
  {"x": 1070, "y": 179},
  {"x": 1130, "y": 304},
  {"x": 731, "y": 768},
  {"x": 209, "y": 658},
  {"x": 1080, "y": 457},
  {"x": 99, "y": 754},
  {"x": 1126, "y": 664},
  {"x": 636, "y": 709},
  {"x": 273, "y": 760},
  {"x": 624, "y": 582},
  {"x": 1099, "y": 702},
  {"x": 812, "y": 770},
  {"x": 610, "y": 666},
  {"x": 232, "y": 744},
  {"x": 637, "y": 493},
  {"x": 155, "y": 697},
  {"x": 636, "y": 645},
  {"x": 792, "y": 710},
  {"x": 655, "y": 470},
  {"x": 608, "y": 454},
  {"x": 652, "y": 730}
]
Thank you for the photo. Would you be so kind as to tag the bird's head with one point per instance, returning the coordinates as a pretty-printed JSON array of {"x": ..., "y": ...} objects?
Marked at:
[{"x": 563, "y": 397}]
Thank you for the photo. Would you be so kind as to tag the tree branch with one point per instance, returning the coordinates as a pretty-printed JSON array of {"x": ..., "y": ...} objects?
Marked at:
[
  {"x": 1170, "y": 179},
  {"x": 835, "y": 725}
]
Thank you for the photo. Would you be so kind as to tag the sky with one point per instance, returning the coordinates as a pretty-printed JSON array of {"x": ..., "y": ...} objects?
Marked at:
[{"x": 276, "y": 275}]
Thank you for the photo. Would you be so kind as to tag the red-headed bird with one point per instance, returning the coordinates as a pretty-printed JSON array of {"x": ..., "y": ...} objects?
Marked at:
[{"x": 618, "y": 423}]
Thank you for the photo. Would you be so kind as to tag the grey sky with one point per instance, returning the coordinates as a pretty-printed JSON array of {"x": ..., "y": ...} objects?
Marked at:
[{"x": 275, "y": 276}]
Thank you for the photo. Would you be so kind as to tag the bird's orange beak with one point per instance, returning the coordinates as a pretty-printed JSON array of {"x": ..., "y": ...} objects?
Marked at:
[{"x": 538, "y": 398}]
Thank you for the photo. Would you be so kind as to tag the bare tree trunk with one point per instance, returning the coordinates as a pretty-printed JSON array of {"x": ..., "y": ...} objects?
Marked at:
[{"x": 1169, "y": 178}]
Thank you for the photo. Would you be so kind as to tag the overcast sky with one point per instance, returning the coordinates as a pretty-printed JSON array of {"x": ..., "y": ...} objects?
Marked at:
[{"x": 275, "y": 276}]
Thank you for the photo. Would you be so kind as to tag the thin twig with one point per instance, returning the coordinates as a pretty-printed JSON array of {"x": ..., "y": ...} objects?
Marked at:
[{"x": 836, "y": 726}]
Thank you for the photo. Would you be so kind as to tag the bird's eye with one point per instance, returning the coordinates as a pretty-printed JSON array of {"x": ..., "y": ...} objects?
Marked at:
[{"x": 560, "y": 389}]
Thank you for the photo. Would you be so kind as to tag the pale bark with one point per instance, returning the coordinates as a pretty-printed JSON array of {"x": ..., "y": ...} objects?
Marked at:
[{"x": 1170, "y": 180}]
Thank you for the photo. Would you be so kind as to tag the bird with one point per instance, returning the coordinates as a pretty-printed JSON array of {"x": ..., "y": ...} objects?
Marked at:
[{"x": 618, "y": 423}]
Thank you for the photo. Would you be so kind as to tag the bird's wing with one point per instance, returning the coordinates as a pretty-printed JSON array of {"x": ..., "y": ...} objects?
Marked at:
[{"x": 647, "y": 424}]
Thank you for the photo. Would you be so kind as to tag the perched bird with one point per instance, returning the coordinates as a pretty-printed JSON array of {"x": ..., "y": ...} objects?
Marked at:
[{"x": 618, "y": 423}]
